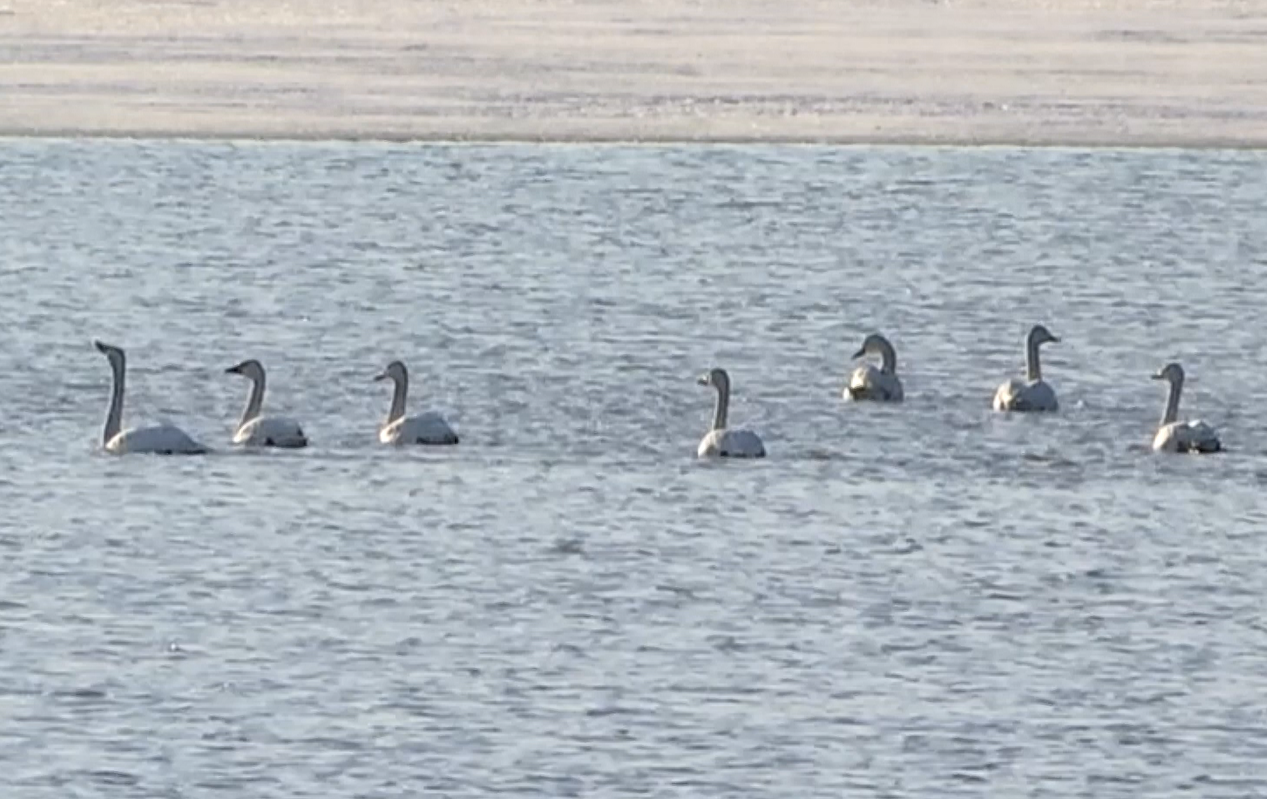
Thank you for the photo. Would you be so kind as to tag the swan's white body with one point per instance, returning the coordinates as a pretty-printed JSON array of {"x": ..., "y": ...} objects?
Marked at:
[
  {"x": 163, "y": 439},
  {"x": 1030, "y": 394},
  {"x": 1193, "y": 436},
  {"x": 160, "y": 439},
  {"x": 1022, "y": 396},
  {"x": 731, "y": 444},
  {"x": 424, "y": 428},
  {"x": 271, "y": 431},
  {"x": 254, "y": 430},
  {"x": 721, "y": 442},
  {"x": 1187, "y": 436},
  {"x": 870, "y": 383}
]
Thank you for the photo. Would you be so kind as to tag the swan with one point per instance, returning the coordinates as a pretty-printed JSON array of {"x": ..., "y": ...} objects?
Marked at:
[
  {"x": 263, "y": 431},
  {"x": 869, "y": 383},
  {"x": 1031, "y": 394},
  {"x": 163, "y": 439},
  {"x": 720, "y": 442},
  {"x": 425, "y": 428},
  {"x": 1172, "y": 436}
]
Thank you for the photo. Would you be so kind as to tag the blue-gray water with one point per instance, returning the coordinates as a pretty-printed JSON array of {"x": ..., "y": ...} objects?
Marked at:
[{"x": 914, "y": 601}]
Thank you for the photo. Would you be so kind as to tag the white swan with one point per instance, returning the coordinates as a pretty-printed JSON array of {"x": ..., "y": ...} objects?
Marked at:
[
  {"x": 720, "y": 442},
  {"x": 263, "y": 431},
  {"x": 870, "y": 383},
  {"x": 163, "y": 439},
  {"x": 1030, "y": 394},
  {"x": 425, "y": 428},
  {"x": 1172, "y": 436}
]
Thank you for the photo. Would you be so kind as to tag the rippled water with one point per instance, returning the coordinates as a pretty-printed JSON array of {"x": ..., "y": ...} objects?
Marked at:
[{"x": 925, "y": 600}]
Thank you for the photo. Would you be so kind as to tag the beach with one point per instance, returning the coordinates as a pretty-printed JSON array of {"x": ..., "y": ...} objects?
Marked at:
[{"x": 1178, "y": 73}]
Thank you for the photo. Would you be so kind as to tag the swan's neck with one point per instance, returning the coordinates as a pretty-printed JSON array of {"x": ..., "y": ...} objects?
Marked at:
[
  {"x": 398, "y": 399},
  {"x": 114, "y": 417},
  {"x": 722, "y": 408},
  {"x": 888, "y": 359},
  {"x": 1172, "y": 402},
  {"x": 1033, "y": 372},
  {"x": 253, "y": 402}
]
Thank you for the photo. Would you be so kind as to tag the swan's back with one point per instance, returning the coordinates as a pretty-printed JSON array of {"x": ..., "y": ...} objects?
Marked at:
[
  {"x": 1019, "y": 395},
  {"x": 731, "y": 444},
  {"x": 425, "y": 428},
  {"x": 869, "y": 383},
  {"x": 163, "y": 439},
  {"x": 271, "y": 431},
  {"x": 1193, "y": 436}
]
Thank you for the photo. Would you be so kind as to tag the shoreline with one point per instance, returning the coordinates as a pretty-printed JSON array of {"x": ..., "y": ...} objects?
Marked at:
[
  {"x": 859, "y": 142},
  {"x": 1151, "y": 74}
]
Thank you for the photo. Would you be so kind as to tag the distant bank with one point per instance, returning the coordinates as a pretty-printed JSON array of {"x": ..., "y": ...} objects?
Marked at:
[{"x": 1078, "y": 72}]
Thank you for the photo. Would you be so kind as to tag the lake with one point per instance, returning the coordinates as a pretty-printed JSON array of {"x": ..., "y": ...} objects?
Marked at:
[{"x": 928, "y": 599}]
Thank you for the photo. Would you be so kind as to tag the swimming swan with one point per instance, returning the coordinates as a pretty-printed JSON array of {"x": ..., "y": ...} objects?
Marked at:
[
  {"x": 163, "y": 439},
  {"x": 263, "y": 431},
  {"x": 869, "y": 383},
  {"x": 720, "y": 442},
  {"x": 1032, "y": 394},
  {"x": 425, "y": 428},
  {"x": 1172, "y": 436}
]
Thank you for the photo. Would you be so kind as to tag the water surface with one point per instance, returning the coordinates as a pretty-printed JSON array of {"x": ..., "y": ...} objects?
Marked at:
[{"x": 921, "y": 600}]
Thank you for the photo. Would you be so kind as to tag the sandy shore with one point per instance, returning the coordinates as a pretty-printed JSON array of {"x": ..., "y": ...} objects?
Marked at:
[{"x": 1131, "y": 72}]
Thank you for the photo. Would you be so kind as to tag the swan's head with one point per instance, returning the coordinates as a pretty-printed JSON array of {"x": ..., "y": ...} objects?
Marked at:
[
  {"x": 1171, "y": 373},
  {"x": 874, "y": 344},
  {"x": 249, "y": 368},
  {"x": 715, "y": 377},
  {"x": 1041, "y": 335},
  {"x": 395, "y": 371},
  {"x": 114, "y": 354}
]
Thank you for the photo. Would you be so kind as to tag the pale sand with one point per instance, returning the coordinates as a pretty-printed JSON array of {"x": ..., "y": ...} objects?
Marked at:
[{"x": 1130, "y": 72}]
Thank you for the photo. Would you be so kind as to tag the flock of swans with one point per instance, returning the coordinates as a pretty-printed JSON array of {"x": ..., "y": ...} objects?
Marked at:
[
  {"x": 1031, "y": 395},
  {"x": 867, "y": 383},
  {"x": 255, "y": 429}
]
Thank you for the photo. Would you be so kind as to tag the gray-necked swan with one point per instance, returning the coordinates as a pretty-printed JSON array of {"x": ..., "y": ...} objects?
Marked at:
[
  {"x": 870, "y": 383},
  {"x": 263, "y": 431},
  {"x": 1030, "y": 394},
  {"x": 1172, "y": 436},
  {"x": 162, "y": 439},
  {"x": 721, "y": 442},
  {"x": 425, "y": 428}
]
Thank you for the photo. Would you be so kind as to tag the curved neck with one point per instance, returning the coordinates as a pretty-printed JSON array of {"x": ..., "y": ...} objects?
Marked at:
[
  {"x": 398, "y": 398},
  {"x": 888, "y": 359},
  {"x": 722, "y": 408},
  {"x": 1032, "y": 369},
  {"x": 114, "y": 417},
  {"x": 253, "y": 402},
  {"x": 1172, "y": 402}
]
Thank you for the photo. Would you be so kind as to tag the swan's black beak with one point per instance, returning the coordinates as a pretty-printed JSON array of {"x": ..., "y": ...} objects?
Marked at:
[
  {"x": 1157, "y": 376},
  {"x": 702, "y": 380},
  {"x": 101, "y": 348},
  {"x": 380, "y": 377},
  {"x": 1055, "y": 339},
  {"x": 860, "y": 353},
  {"x": 233, "y": 370}
]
